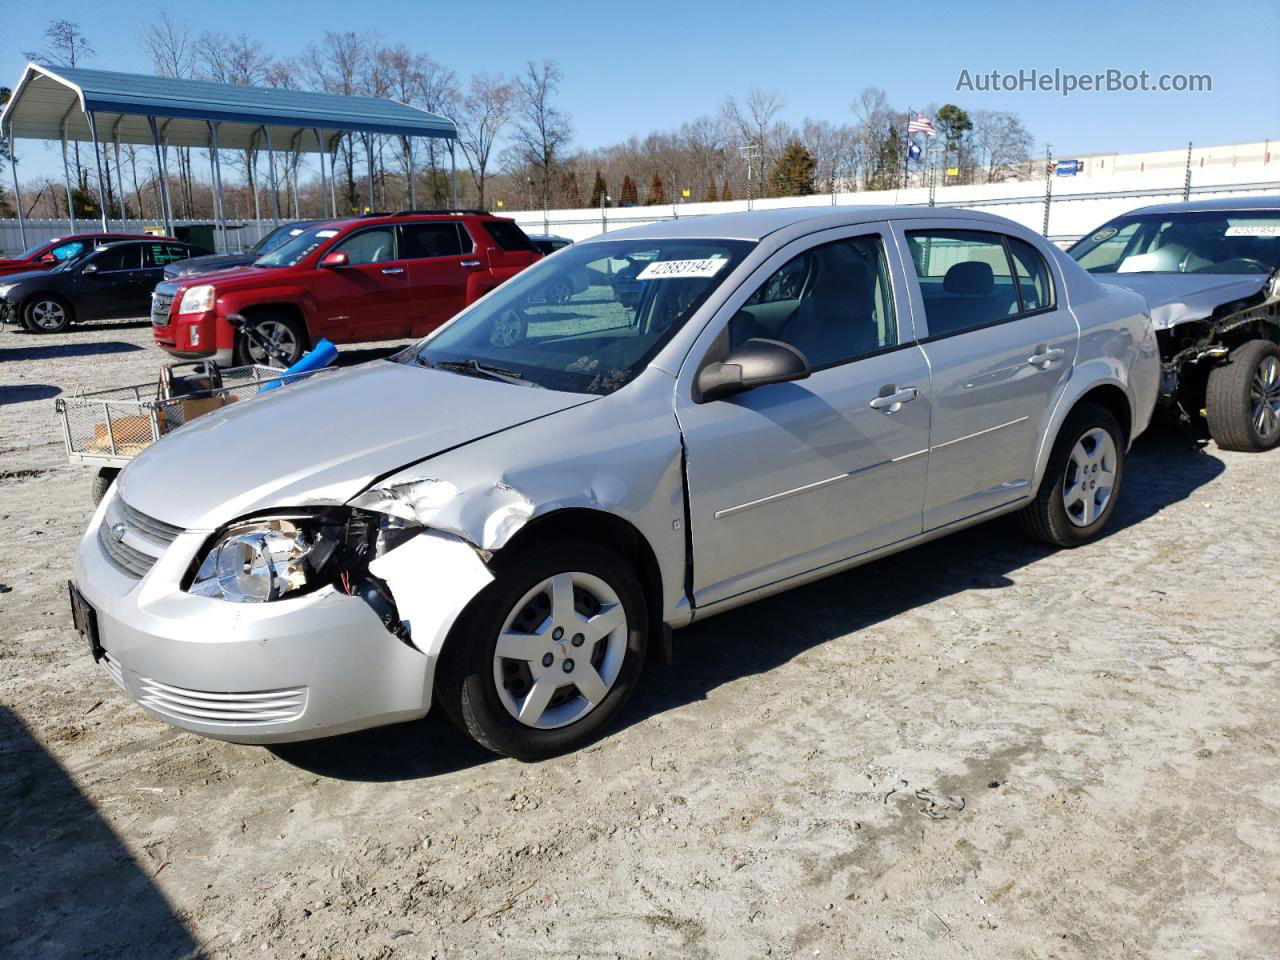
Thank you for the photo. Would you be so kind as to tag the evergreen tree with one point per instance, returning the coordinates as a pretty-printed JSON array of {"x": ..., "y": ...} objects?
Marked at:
[
  {"x": 792, "y": 175},
  {"x": 657, "y": 193},
  {"x": 599, "y": 190},
  {"x": 711, "y": 197},
  {"x": 630, "y": 195}
]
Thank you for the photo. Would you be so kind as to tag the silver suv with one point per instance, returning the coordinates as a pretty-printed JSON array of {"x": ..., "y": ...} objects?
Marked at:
[{"x": 510, "y": 516}]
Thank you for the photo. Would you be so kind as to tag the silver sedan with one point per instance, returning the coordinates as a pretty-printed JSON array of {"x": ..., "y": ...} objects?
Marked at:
[{"x": 512, "y": 515}]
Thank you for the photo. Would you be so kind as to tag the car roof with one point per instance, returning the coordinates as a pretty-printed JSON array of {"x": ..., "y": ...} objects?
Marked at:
[
  {"x": 758, "y": 224},
  {"x": 341, "y": 223},
  {"x": 1215, "y": 204}
]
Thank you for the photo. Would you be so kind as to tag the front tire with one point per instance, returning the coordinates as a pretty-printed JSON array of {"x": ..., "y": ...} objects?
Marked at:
[
  {"x": 1242, "y": 399},
  {"x": 46, "y": 313},
  {"x": 543, "y": 659},
  {"x": 1081, "y": 482},
  {"x": 287, "y": 335},
  {"x": 103, "y": 478}
]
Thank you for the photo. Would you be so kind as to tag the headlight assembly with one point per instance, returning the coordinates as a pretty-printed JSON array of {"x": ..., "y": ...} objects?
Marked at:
[
  {"x": 279, "y": 556},
  {"x": 197, "y": 299},
  {"x": 5, "y": 288}
]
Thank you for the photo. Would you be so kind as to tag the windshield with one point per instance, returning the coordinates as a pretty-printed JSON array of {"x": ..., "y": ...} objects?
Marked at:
[
  {"x": 589, "y": 319},
  {"x": 29, "y": 254},
  {"x": 294, "y": 251},
  {"x": 1192, "y": 242},
  {"x": 276, "y": 237}
]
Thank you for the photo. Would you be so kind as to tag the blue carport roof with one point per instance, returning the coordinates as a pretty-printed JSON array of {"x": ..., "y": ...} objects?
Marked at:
[{"x": 49, "y": 99}]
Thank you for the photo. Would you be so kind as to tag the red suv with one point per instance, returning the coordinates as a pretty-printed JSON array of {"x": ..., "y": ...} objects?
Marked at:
[
  {"x": 44, "y": 256},
  {"x": 374, "y": 278}
]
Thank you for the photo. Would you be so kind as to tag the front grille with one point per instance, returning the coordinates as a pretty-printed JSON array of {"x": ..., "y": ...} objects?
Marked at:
[
  {"x": 132, "y": 540},
  {"x": 260, "y": 706},
  {"x": 160, "y": 304},
  {"x": 149, "y": 527}
]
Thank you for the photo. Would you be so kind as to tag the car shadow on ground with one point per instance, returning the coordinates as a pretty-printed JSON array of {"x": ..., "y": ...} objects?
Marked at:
[
  {"x": 52, "y": 351},
  {"x": 71, "y": 887},
  {"x": 1164, "y": 467},
  {"x": 26, "y": 392}
]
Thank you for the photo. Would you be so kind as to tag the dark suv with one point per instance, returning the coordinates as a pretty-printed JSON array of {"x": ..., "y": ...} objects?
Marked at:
[{"x": 373, "y": 278}]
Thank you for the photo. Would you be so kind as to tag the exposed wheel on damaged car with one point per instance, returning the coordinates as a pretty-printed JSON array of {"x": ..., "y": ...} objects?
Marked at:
[
  {"x": 1242, "y": 398},
  {"x": 546, "y": 655}
]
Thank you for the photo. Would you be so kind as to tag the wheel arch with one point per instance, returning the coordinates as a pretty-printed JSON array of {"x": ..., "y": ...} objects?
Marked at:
[
  {"x": 604, "y": 529},
  {"x": 287, "y": 307},
  {"x": 50, "y": 295},
  {"x": 1109, "y": 392}
]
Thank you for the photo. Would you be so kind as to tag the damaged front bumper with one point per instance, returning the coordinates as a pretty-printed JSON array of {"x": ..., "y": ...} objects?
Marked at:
[{"x": 293, "y": 669}]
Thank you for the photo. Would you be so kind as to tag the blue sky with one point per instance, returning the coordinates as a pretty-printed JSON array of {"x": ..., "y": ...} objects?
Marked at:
[{"x": 630, "y": 68}]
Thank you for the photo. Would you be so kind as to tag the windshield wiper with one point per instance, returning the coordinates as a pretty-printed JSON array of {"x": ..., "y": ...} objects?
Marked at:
[{"x": 475, "y": 366}]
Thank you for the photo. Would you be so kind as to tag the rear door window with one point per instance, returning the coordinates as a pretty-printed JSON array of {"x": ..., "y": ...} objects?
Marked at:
[
  {"x": 419, "y": 241},
  {"x": 965, "y": 279},
  {"x": 127, "y": 257}
]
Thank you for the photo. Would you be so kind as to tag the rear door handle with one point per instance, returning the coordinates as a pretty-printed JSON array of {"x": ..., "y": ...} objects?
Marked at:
[
  {"x": 891, "y": 398},
  {"x": 1044, "y": 356},
  {"x": 470, "y": 263},
  {"x": 393, "y": 269}
]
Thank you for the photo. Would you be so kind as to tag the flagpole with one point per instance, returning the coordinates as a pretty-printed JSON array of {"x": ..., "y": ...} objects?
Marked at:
[{"x": 906, "y": 153}]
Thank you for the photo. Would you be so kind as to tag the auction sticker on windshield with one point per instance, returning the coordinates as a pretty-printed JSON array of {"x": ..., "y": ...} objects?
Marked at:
[
  {"x": 1254, "y": 230},
  {"x": 670, "y": 269}
]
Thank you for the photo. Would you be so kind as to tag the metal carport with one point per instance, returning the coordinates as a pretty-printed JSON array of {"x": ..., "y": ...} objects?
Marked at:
[{"x": 105, "y": 107}]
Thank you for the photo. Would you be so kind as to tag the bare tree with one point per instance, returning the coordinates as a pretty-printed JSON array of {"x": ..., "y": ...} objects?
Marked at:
[
  {"x": 66, "y": 46},
  {"x": 543, "y": 132},
  {"x": 172, "y": 53},
  {"x": 1000, "y": 144},
  {"x": 337, "y": 65},
  {"x": 486, "y": 110},
  {"x": 238, "y": 60}
]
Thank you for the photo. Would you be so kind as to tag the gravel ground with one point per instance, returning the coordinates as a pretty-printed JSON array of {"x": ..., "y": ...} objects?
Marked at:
[{"x": 1108, "y": 716}]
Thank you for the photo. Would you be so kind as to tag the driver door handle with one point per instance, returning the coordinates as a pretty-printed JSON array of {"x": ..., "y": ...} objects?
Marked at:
[
  {"x": 891, "y": 398},
  {"x": 393, "y": 269},
  {"x": 470, "y": 263},
  {"x": 1044, "y": 356}
]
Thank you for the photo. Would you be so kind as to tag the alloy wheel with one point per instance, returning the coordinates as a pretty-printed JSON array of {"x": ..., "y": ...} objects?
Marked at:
[
  {"x": 1264, "y": 399},
  {"x": 560, "y": 650},
  {"x": 1090, "y": 477},
  {"x": 48, "y": 315},
  {"x": 281, "y": 338}
]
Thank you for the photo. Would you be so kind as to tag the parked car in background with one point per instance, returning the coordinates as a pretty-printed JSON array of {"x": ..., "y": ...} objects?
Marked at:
[
  {"x": 372, "y": 278},
  {"x": 510, "y": 525},
  {"x": 547, "y": 243},
  {"x": 226, "y": 261},
  {"x": 1210, "y": 271},
  {"x": 565, "y": 285},
  {"x": 47, "y": 255},
  {"x": 107, "y": 282}
]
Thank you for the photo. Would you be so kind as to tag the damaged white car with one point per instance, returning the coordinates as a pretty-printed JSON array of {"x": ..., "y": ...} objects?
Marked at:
[
  {"x": 511, "y": 516},
  {"x": 1210, "y": 271}
]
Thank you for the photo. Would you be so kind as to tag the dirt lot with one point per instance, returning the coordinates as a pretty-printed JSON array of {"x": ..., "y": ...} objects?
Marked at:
[{"x": 1108, "y": 715}]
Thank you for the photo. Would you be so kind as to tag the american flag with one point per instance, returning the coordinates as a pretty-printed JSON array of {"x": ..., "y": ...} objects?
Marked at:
[{"x": 919, "y": 123}]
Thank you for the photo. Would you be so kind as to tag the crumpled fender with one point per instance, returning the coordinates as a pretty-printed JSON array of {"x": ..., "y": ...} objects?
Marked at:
[{"x": 432, "y": 578}]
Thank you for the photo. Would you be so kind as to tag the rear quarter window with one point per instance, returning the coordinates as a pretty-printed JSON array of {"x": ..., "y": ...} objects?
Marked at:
[{"x": 509, "y": 236}]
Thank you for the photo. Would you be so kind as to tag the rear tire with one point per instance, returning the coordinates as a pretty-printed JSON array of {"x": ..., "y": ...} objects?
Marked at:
[
  {"x": 47, "y": 313},
  {"x": 594, "y": 642},
  {"x": 287, "y": 332},
  {"x": 1081, "y": 482},
  {"x": 1242, "y": 399}
]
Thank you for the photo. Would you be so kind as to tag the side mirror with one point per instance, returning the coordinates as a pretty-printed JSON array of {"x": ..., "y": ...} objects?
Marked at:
[
  {"x": 48, "y": 258},
  {"x": 89, "y": 268},
  {"x": 752, "y": 364},
  {"x": 331, "y": 260}
]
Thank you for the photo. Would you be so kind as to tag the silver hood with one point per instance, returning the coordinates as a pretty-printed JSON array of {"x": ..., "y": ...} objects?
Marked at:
[
  {"x": 1176, "y": 298},
  {"x": 321, "y": 441}
]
